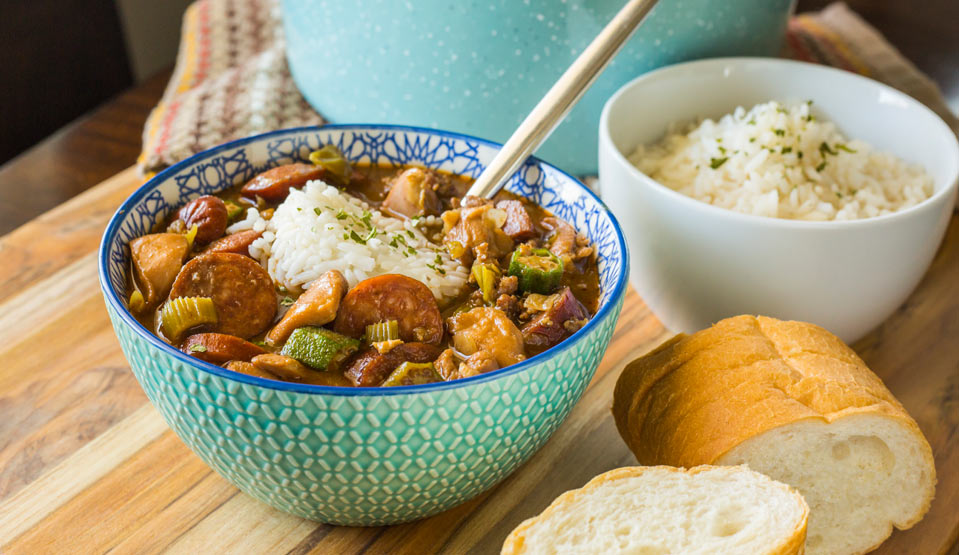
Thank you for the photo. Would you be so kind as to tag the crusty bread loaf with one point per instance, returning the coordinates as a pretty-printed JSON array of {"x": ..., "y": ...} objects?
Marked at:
[
  {"x": 792, "y": 401},
  {"x": 661, "y": 510}
]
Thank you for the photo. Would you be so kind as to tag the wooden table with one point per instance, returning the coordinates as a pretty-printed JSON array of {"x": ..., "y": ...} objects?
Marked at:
[{"x": 86, "y": 464}]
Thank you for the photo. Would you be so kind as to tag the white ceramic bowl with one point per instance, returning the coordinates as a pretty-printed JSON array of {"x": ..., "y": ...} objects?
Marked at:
[{"x": 694, "y": 263}]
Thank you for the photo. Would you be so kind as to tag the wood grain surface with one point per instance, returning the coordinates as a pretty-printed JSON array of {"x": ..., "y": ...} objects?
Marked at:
[{"x": 88, "y": 466}]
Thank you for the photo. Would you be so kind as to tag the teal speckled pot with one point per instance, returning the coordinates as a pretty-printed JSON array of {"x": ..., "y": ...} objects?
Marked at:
[
  {"x": 480, "y": 67},
  {"x": 362, "y": 456}
]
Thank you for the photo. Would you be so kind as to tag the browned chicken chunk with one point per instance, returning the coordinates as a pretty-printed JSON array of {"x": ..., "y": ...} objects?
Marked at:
[
  {"x": 248, "y": 368},
  {"x": 487, "y": 329},
  {"x": 446, "y": 365},
  {"x": 565, "y": 242},
  {"x": 477, "y": 363},
  {"x": 316, "y": 307},
  {"x": 413, "y": 193},
  {"x": 290, "y": 369},
  {"x": 478, "y": 229},
  {"x": 157, "y": 258}
]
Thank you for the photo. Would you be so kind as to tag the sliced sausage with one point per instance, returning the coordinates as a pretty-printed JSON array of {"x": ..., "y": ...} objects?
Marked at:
[
  {"x": 519, "y": 226},
  {"x": 157, "y": 258},
  {"x": 275, "y": 184},
  {"x": 241, "y": 289},
  {"x": 391, "y": 297},
  {"x": 235, "y": 243},
  {"x": 488, "y": 329},
  {"x": 219, "y": 348},
  {"x": 315, "y": 307},
  {"x": 208, "y": 214},
  {"x": 564, "y": 316},
  {"x": 371, "y": 367},
  {"x": 413, "y": 194}
]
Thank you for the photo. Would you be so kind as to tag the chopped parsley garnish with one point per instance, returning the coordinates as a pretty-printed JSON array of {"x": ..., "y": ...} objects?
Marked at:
[
  {"x": 752, "y": 139},
  {"x": 786, "y": 150},
  {"x": 824, "y": 149},
  {"x": 821, "y": 166},
  {"x": 356, "y": 237},
  {"x": 197, "y": 349},
  {"x": 341, "y": 215},
  {"x": 287, "y": 301},
  {"x": 714, "y": 163},
  {"x": 317, "y": 211},
  {"x": 410, "y": 233},
  {"x": 365, "y": 218},
  {"x": 779, "y": 132},
  {"x": 722, "y": 150},
  {"x": 751, "y": 122},
  {"x": 838, "y": 194},
  {"x": 799, "y": 155},
  {"x": 841, "y": 146}
]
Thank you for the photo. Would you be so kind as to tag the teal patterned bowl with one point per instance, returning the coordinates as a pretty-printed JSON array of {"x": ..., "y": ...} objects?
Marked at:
[{"x": 362, "y": 456}]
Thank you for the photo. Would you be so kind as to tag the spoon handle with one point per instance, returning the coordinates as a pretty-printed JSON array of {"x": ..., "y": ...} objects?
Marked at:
[{"x": 561, "y": 98}]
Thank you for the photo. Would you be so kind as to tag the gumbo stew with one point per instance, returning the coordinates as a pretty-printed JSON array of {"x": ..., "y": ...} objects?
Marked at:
[{"x": 342, "y": 293}]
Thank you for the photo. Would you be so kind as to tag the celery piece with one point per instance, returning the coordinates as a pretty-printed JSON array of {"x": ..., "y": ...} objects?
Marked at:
[
  {"x": 233, "y": 211},
  {"x": 486, "y": 276},
  {"x": 387, "y": 330},
  {"x": 182, "y": 313}
]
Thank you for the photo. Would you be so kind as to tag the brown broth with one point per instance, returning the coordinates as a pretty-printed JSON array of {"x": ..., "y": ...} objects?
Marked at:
[{"x": 371, "y": 183}]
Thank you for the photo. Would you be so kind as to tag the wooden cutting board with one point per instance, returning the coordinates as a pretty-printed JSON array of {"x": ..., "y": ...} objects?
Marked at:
[{"x": 87, "y": 465}]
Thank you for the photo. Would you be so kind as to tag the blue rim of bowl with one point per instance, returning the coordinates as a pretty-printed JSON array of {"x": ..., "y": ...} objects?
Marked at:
[
  {"x": 926, "y": 204},
  {"x": 121, "y": 309}
]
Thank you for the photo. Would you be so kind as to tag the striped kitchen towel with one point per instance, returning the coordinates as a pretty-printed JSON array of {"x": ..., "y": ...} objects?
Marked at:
[{"x": 231, "y": 79}]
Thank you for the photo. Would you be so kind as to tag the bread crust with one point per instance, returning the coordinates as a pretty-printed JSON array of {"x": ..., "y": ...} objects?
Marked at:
[
  {"x": 515, "y": 542},
  {"x": 695, "y": 397}
]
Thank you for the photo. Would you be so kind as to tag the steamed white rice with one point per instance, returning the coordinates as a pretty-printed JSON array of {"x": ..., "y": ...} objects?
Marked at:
[
  {"x": 318, "y": 228},
  {"x": 782, "y": 162}
]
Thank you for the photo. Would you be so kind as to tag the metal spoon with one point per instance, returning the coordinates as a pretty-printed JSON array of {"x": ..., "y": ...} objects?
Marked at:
[{"x": 561, "y": 98}]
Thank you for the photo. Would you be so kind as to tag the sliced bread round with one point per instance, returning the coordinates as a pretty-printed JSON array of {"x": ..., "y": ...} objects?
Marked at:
[
  {"x": 660, "y": 510},
  {"x": 792, "y": 401}
]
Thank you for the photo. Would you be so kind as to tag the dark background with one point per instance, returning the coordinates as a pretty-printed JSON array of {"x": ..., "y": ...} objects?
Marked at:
[{"x": 60, "y": 58}]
